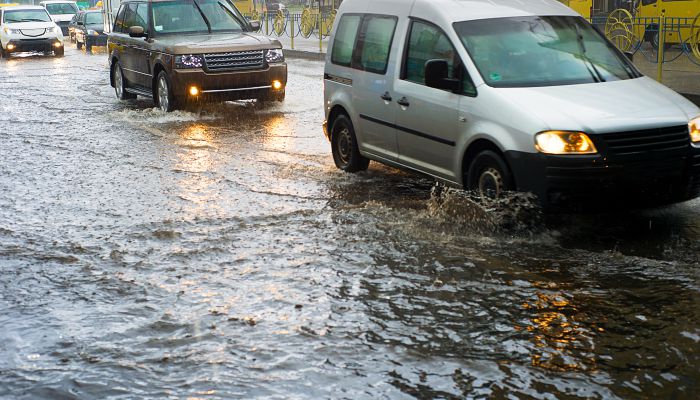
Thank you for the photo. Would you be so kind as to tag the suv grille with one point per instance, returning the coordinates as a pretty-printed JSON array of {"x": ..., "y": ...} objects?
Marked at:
[
  {"x": 234, "y": 61},
  {"x": 649, "y": 140}
]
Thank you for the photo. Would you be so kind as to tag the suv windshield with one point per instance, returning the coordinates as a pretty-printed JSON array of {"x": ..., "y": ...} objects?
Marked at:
[
  {"x": 26, "y": 16},
  {"x": 93, "y": 18},
  {"x": 182, "y": 16},
  {"x": 61, "y": 8},
  {"x": 541, "y": 51}
]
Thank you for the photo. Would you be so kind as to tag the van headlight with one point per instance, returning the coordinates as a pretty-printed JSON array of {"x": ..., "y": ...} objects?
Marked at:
[
  {"x": 694, "y": 126},
  {"x": 52, "y": 29},
  {"x": 9, "y": 31},
  {"x": 274, "y": 56},
  {"x": 189, "y": 61},
  {"x": 564, "y": 142}
]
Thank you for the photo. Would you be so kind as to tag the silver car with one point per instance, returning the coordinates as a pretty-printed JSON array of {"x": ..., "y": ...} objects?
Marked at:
[{"x": 499, "y": 95}]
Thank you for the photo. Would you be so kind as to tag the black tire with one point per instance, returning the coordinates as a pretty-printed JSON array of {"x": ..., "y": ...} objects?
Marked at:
[
  {"x": 78, "y": 44},
  {"x": 163, "y": 93},
  {"x": 346, "y": 153},
  {"x": 59, "y": 52},
  {"x": 120, "y": 83},
  {"x": 488, "y": 176}
]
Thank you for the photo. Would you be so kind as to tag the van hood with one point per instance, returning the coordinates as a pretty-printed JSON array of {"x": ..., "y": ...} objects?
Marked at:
[
  {"x": 216, "y": 43},
  {"x": 604, "y": 107}
]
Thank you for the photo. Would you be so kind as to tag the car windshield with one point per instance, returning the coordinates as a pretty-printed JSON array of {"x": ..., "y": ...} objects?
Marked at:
[
  {"x": 93, "y": 18},
  {"x": 541, "y": 51},
  {"x": 61, "y": 8},
  {"x": 183, "y": 16},
  {"x": 26, "y": 16}
]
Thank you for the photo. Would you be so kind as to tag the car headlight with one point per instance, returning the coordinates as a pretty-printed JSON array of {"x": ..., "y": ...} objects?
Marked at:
[
  {"x": 694, "y": 126},
  {"x": 189, "y": 61},
  {"x": 52, "y": 29},
  {"x": 9, "y": 31},
  {"x": 92, "y": 33},
  {"x": 564, "y": 142},
  {"x": 274, "y": 56}
]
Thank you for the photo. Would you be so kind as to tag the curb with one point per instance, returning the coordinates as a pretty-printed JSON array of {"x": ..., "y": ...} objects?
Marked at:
[{"x": 305, "y": 55}]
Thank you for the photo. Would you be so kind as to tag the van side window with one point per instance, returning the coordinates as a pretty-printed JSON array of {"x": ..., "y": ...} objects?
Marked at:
[
  {"x": 344, "y": 42},
  {"x": 374, "y": 43},
  {"x": 427, "y": 42}
]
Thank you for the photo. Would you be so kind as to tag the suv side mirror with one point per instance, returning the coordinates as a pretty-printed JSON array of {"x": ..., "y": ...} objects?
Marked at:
[
  {"x": 136, "y": 31},
  {"x": 255, "y": 26},
  {"x": 437, "y": 76}
]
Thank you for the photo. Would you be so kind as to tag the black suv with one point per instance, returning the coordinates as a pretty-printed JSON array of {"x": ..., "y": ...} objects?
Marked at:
[{"x": 176, "y": 51}]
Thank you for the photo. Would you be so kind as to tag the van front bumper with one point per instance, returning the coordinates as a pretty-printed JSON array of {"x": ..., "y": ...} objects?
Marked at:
[
  {"x": 233, "y": 85},
  {"x": 596, "y": 181}
]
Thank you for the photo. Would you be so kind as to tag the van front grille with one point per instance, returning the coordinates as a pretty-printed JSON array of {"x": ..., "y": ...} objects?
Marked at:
[
  {"x": 235, "y": 61},
  {"x": 647, "y": 141}
]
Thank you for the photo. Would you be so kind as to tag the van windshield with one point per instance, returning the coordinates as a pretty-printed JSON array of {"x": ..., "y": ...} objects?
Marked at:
[
  {"x": 542, "y": 51},
  {"x": 61, "y": 8},
  {"x": 181, "y": 16}
]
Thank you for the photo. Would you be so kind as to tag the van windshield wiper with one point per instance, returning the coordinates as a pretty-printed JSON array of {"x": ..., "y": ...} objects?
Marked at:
[
  {"x": 206, "y": 20},
  {"x": 595, "y": 74}
]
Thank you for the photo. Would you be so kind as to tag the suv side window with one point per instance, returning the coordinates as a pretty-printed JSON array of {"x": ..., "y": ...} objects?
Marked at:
[
  {"x": 136, "y": 15},
  {"x": 119, "y": 21},
  {"x": 374, "y": 43},
  {"x": 344, "y": 42},
  {"x": 427, "y": 42}
]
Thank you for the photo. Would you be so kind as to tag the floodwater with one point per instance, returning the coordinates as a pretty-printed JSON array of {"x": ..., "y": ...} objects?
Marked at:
[{"x": 217, "y": 253}]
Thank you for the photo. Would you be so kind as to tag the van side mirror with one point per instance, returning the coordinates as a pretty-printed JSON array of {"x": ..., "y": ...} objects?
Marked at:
[
  {"x": 437, "y": 76},
  {"x": 136, "y": 31},
  {"x": 255, "y": 26}
]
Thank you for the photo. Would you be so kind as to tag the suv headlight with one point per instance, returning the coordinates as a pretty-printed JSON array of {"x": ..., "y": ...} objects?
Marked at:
[
  {"x": 9, "y": 31},
  {"x": 274, "y": 56},
  {"x": 563, "y": 142},
  {"x": 189, "y": 61},
  {"x": 92, "y": 33},
  {"x": 52, "y": 29},
  {"x": 694, "y": 126}
]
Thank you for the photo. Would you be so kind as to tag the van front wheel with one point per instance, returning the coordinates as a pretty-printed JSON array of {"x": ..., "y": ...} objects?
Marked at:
[
  {"x": 489, "y": 176},
  {"x": 346, "y": 153}
]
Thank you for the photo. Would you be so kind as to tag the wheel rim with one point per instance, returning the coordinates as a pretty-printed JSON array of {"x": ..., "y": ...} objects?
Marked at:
[
  {"x": 490, "y": 184},
  {"x": 118, "y": 84},
  {"x": 344, "y": 146},
  {"x": 163, "y": 100}
]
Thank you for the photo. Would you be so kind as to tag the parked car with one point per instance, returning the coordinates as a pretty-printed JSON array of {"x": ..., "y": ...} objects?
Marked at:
[
  {"x": 495, "y": 95},
  {"x": 28, "y": 28},
  {"x": 89, "y": 30},
  {"x": 61, "y": 12},
  {"x": 178, "y": 51}
]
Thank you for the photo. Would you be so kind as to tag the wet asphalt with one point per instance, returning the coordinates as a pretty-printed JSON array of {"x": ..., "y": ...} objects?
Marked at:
[{"x": 217, "y": 253}]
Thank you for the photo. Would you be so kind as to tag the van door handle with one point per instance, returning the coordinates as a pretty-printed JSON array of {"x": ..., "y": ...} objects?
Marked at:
[
  {"x": 386, "y": 96},
  {"x": 403, "y": 102}
]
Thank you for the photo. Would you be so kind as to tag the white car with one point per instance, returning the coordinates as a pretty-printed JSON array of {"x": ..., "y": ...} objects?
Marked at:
[
  {"x": 28, "y": 28},
  {"x": 502, "y": 95},
  {"x": 61, "y": 12}
]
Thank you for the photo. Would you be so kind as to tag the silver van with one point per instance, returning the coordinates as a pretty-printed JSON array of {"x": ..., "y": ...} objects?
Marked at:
[{"x": 500, "y": 95}]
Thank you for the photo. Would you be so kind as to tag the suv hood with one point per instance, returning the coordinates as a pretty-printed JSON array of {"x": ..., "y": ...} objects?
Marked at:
[
  {"x": 215, "y": 43},
  {"x": 604, "y": 107},
  {"x": 30, "y": 25}
]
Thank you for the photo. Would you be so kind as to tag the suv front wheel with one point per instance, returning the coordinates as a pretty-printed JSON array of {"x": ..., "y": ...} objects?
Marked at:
[{"x": 164, "y": 95}]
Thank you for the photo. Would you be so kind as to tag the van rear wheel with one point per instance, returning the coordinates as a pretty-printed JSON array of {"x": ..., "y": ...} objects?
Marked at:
[
  {"x": 346, "y": 153},
  {"x": 489, "y": 176}
]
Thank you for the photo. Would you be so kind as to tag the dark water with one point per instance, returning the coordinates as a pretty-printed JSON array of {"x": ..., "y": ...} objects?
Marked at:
[{"x": 218, "y": 253}]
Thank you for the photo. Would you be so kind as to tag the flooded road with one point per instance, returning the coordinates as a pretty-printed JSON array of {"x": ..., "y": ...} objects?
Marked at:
[{"x": 217, "y": 253}]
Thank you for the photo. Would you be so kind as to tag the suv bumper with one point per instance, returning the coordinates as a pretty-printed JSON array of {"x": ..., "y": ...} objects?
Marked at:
[
  {"x": 45, "y": 45},
  {"x": 234, "y": 85},
  {"x": 594, "y": 182}
]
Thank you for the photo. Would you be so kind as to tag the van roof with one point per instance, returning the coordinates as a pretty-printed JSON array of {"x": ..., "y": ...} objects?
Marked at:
[{"x": 465, "y": 10}]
